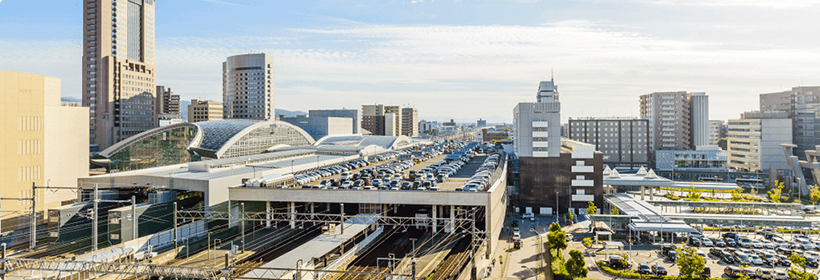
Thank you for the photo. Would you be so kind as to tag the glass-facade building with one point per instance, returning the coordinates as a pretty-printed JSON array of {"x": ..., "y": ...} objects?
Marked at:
[{"x": 189, "y": 142}]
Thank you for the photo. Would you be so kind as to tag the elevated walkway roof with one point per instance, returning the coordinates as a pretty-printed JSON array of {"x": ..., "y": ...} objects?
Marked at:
[{"x": 319, "y": 246}]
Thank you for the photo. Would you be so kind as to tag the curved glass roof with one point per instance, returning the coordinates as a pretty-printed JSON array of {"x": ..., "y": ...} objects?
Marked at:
[
  {"x": 216, "y": 133},
  {"x": 385, "y": 142}
]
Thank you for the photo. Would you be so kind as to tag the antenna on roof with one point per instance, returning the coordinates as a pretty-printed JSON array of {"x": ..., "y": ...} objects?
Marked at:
[{"x": 552, "y": 75}]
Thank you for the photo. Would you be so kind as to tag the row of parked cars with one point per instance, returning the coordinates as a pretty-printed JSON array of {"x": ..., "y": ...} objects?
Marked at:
[
  {"x": 480, "y": 180},
  {"x": 310, "y": 176}
]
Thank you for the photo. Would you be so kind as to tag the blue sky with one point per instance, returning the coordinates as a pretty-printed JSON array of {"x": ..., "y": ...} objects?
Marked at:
[{"x": 460, "y": 59}]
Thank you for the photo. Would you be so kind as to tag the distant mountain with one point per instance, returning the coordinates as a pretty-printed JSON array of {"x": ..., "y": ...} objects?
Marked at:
[
  {"x": 69, "y": 99},
  {"x": 289, "y": 113}
]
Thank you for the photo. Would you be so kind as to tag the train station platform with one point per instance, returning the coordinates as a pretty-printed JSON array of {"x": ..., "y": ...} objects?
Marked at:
[{"x": 313, "y": 249}]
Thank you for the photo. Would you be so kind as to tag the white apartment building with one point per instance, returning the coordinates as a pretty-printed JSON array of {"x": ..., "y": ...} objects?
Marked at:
[
  {"x": 537, "y": 125},
  {"x": 755, "y": 138},
  {"x": 248, "y": 87}
]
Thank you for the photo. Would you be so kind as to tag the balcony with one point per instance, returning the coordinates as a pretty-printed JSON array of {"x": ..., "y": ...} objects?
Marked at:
[
  {"x": 540, "y": 124},
  {"x": 583, "y": 197},
  {"x": 583, "y": 183},
  {"x": 540, "y": 153},
  {"x": 540, "y": 134},
  {"x": 669, "y": 140},
  {"x": 583, "y": 169},
  {"x": 540, "y": 144}
]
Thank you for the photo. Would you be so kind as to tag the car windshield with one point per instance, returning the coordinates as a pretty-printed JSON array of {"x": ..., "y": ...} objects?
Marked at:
[{"x": 643, "y": 266}]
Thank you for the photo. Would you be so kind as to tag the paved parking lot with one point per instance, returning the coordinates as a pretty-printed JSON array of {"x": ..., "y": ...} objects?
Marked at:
[{"x": 650, "y": 254}]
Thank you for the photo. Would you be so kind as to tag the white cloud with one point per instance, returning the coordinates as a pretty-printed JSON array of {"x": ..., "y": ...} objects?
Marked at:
[
  {"x": 467, "y": 71},
  {"x": 777, "y": 4}
]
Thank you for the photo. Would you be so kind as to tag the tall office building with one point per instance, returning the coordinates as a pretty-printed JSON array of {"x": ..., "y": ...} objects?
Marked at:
[
  {"x": 801, "y": 105},
  {"x": 248, "y": 87},
  {"x": 379, "y": 119},
  {"x": 674, "y": 123},
  {"x": 537, "y": 126},
  {"x": 119, "y": 77},
  {"x": 204, "y": 110},
  {"x": 410, "y": 122},
  {"x": 699, "y": 122},
  {"x": 167, "y": 104},
  {"x": 787, "y": 101},
  {"x": 755, "y": 139},
  {"x": 43, "y": 143},
  {"x": 717, "y": 130},
  {"x": 556, "y": 175},
  {"x": 623, "y": 141}
]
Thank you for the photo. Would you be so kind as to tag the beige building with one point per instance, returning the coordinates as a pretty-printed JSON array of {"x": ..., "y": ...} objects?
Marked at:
[
  {"x": 119, "y": 77},
  {"x": 787, "y": 101},
  {"x": 410, "y": 122},
  {"x": 382, "y": 120},
  {"x": 204, "y": 110},
  {"x": 677, "y": 120},
  {"x": 167, "y": 104},
  {"x": 44, "y": 143},
  {"x": 755, "y": 138}
]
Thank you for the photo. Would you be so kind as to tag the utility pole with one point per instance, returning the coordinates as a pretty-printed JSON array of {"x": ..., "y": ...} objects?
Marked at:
[
  {"x": 94, "y": 222},
  {"x": 175, "y": 224},
  {"x": 134, "y": 217},
  {"x": 242, "y": 207},
  {"x": 33, "y": 242}
]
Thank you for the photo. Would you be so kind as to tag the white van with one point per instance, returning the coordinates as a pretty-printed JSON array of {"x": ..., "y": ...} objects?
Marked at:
[{"x": 346, "y": 175}]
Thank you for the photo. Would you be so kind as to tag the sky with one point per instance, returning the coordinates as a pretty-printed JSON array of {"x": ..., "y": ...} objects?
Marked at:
[{"x": 458, "y": 59}]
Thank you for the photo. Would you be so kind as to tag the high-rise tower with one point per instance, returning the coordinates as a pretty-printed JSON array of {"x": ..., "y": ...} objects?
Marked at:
[
  {"x": 119, "y": 77},
  {"x": 247, "y": 87}
]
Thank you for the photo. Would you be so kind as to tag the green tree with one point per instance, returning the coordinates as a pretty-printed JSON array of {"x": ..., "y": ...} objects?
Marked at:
[
  {"x": 774, "y": 195},
  {"x": 557, "y": 239},
  {"x": 592, "y": 209},
  {"x": 691, "y": 264},
  {"x": 798, "y": 260},
  {"x": 615, "y": 211},
  {"x": 570, "y": 216},
  {"x": 736, "y": 196},
  {"x": 576, "y": 266},
  {"x": 694, "y": 194},
  {"x": 555, "y": 227},
  {"x": 722, "y": 143},
  {"x": 814, "y": 194}
]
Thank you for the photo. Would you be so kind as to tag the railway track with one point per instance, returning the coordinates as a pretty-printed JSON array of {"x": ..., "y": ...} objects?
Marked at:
[
  {"x": 455, "y": 261},
  {"x": 396, "y": 243}
]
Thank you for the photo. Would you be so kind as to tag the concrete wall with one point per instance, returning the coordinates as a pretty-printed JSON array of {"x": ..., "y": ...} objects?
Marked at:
[
  {"x": 496, "y": 210},
  {"x": 66, "y": 151},
  {"x": 360, "y": 196},
  {"x": 523, "y": 117},
  {"x": 774, "y": 132}
]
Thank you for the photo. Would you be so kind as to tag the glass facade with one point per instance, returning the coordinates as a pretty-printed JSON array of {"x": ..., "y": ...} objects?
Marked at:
[
  {"x": 160, "y": 149},
  {"x": 261, "y": 139},
  {"x": 134, "y": 28}
]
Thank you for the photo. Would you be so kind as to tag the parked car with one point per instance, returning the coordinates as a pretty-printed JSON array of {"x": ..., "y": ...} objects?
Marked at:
[
  {"x": 644, "y": 269},
  {"x": 658, "y": 269},
  {"x": 764, "y": 273},
  {"x": 733, "y": 271},
  {"x": 719, "y": 242}
]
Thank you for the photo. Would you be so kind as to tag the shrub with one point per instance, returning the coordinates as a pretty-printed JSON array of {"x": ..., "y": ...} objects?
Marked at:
[{"x": 588, "y": 242}]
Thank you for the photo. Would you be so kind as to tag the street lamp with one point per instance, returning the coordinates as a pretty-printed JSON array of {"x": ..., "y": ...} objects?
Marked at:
[
  {"x": 556, "y": 206},
  {"x": 533, "y": 272},
  {"x": 291, "y": 166},
  {"x": 540, "y": 251}
]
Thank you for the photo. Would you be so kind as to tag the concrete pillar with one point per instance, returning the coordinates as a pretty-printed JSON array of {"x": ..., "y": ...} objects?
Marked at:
[
  {"x": 267, "y": 215},
  {"x": 313, "y": 212},
  {"x": 292, "y": 215},
  {"x": 651, "y": 194},
  {"x": 643, "y": 189},
  {"x": 433, "y": 221},
  {"x": 452, "y": 219},
  {"x": 395, "y": 209},
  {"x": 384, "y": 209}
]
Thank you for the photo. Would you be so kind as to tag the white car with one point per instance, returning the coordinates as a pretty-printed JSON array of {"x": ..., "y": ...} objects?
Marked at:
[
  {"x": 780, "y": 275},
  {"x": 769, "y": 245},
  {"x": 756, "y": 260},
  {"x": 757, "y": 244},
  {"x": 707, "y": 243}
]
